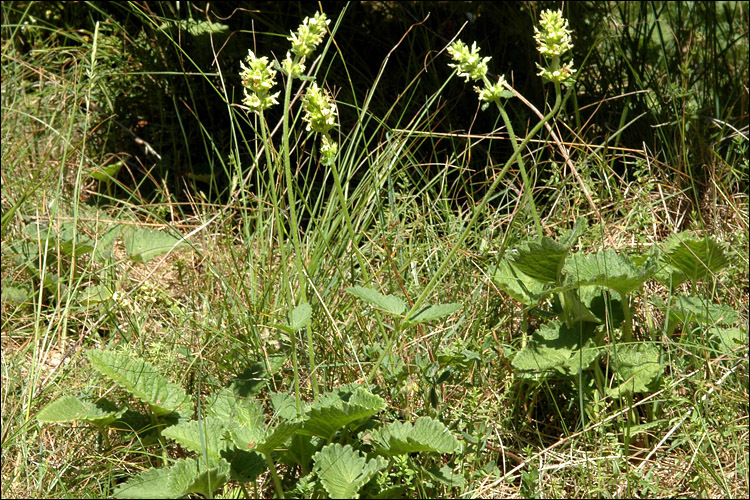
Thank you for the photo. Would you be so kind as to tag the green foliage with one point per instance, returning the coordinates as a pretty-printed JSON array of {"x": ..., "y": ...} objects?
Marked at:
[
  {"x": 638, "y": 367},
  {"x": 690, "y": 257},
  {"x": 537, "y": 270},
  {"x": 424, "y": 435},
  {"x": 388, "y": 303},
  {"x": 557, "y": 347},
  {"x": 141, "y": 379},
  {"x": 143, "y": 244},
  {"x": 343, "y": 471},
  {"x": 233, "y": 442},
  {"x": 396, "y": 307},
  {"x": 186, "y": 476},
  {"x": 70, "y": 409}
]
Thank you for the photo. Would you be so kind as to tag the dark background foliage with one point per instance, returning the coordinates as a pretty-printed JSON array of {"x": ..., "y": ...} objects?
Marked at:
[{"x": 678, "y": 69}]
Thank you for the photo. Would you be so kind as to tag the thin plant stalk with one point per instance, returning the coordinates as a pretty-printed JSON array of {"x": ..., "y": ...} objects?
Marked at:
[
  {"x": 478, "y": 211},
  {"x": 295, "y": 232}
]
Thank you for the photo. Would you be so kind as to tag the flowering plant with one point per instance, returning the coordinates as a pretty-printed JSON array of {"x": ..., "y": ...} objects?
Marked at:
[{"x": 553, "y": 41}]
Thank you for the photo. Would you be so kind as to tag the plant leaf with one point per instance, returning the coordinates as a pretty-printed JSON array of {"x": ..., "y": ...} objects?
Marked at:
[
  {"x": 388, "y": 303},
  {"x": 277, "y": 438},
  {"x": 426, "y": 434},
  {"x": 637, "y": 366},
  {"x": 555, "y": 346},
  {"x": 446, "y": 476},
  {"x": 609, "y": 269},
  {"x": 141, "y": 379},
  {"x": 94, "y": 294},
  {"x": 188, "y": 434},
  {"x": 516, "y": 284},
  {"x": 691, "y": 257},
  {"x": 542, "y": 260},
  {"x": 328, "y": 416},
  {"x": 16, "y": 294},
  {"x": 343, "y": 471},
  {"x": 143, "y": 244},
  {"x": 70, "y": 408},
  {"x": 300, "y": 317},
  {"x": 185, "y": 476},
  {"x": 432, "y": 313},
  {"x": 686, "y": 310},
  {"x": 106, "y": 173},
  {"x": 727, "y": 340}
]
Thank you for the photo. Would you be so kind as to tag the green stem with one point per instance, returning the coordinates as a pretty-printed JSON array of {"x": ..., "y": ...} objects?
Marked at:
[
  {"x": 526, "y": 185},
  {"x": 274, "y": 475},
  {"x": 295, "y": 230},
  {"x": 478, "y": 211},
  {"x": 282, "y": 247},
  {"x": 348, "y": 220},
  {"x": 627, "y": 323}
]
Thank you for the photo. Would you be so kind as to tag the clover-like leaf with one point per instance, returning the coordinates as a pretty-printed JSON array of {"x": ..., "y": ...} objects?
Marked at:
[
  {"x": 185, "y": 476},
  {"x": 343, "y": 471},
  {"x": 141, "y": 379},
  {"x": 425, "y": 435},
  {"x": 388, "y": 303}
]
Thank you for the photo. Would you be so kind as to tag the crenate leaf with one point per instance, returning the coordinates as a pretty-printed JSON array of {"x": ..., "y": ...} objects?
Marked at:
[
  {"x": 609, "y": 269},
  {"x": 446, "y": 476},
  {"x": 70, "y": 408},
  {"x": 516, "y": 284},
  {"x": 691, "y": 257},
  {"x": 687, "y": 309},
  {"x": 141, "y": 379},
  {"x": 387, "y": 303},
  {"x": 637, "y": 367},
  {"x": 197, "y": 435},
  {"x": 285, "y": 405},
  {"x": 331, "y": 414},
  {"x": 278, "y": 437},
  {"x": 343, "y": 471},
  {"x": 94, "y": 294},
  {"x": 185, "y": 476},
  {"x": 16, "y": 294},
  {"x": 555, "y": 346},
  {"x": 542, "y": 260},
  {"x": 425, "y": 435},
  {"x": 726, "y": 340}
]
